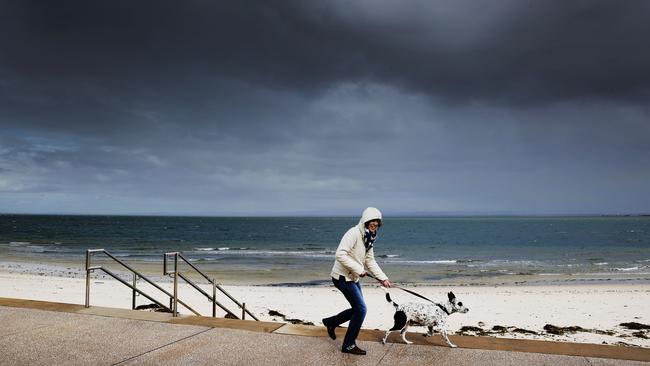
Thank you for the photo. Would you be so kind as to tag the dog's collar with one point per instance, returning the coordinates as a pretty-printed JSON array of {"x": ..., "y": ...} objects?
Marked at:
[{"x": 443, "y": 309}]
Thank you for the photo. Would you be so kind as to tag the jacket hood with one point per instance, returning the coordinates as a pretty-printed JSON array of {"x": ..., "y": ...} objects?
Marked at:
[{"x": 369, "y": 214}]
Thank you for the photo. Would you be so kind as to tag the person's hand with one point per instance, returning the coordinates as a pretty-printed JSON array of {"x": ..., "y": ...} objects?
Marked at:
[{"x": 386, "y": 283}]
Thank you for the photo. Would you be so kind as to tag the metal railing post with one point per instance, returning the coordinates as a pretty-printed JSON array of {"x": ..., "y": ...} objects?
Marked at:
[
  {"x": 135, "y": 279},
  {"x": 214, "y": 298},
  {"x": 176, "y": 285},
  {"x": 243, "y": 311},
  {"x": 87, "y": 278}
]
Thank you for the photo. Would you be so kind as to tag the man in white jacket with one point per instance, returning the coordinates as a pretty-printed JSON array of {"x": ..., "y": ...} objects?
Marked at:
[{"x": 354, "y": 256}]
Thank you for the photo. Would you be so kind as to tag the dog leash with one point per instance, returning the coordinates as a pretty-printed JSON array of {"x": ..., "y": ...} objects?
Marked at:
[{"x": 414, "y": 294}]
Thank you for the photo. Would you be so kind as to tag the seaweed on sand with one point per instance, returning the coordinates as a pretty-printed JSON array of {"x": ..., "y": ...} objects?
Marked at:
[
  {"x": 471, "y": 330},
  {"x": 552, "y": 329},
  {"x": 524, "y": 331},
  {"x": 290, "y": 320},
  {"x": 635, "y": 326},
  {"x": 153, "y": 307}
]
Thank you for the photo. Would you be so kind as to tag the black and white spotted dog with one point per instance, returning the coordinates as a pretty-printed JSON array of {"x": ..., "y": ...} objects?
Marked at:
[{"x": 430, "y": 315}]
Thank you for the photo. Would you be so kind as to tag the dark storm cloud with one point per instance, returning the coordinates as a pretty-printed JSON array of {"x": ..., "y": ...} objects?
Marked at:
[
  {"x": 530, "y": 51},
  {"x": 292, "y": 106}
]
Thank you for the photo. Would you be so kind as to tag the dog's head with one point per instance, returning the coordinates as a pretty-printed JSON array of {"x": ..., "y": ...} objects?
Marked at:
[{"x": 456, "y": 306}]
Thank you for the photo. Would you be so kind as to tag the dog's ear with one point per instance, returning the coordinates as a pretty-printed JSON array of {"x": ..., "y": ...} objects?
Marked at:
[{"x": 451, "y": 296}]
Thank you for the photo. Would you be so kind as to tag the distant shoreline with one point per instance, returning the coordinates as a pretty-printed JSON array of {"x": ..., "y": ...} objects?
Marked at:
[{"x": 76, "y": 269}]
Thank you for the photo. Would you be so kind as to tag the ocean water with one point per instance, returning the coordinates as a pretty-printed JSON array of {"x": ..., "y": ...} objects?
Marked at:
[{"x": 301, "y": 249}]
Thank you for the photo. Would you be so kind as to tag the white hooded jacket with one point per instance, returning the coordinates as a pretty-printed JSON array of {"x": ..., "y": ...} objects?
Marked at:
[{"x": 351, "y": 255}]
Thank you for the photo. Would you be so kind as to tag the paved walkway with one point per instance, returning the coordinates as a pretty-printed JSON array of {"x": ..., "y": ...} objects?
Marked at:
[{"x": 44, "y": 333}]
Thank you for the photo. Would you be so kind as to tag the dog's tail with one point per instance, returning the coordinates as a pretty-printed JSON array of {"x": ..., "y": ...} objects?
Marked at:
[{"x": 389, "y": 299}]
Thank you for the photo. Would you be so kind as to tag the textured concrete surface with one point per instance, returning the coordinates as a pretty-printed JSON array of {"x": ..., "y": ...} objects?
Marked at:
[
  {"x": 14, "y": 321},
  {"x": 484, "y": 343},
  {"x": 237, "y": 347},
  {"x": 250, "y": 325},
  {"x": 72, "y": 339},
  {"x": 442, "y": 356},
  {"x": 66, "y": 334},
  {"x": 127, "y": 314}
]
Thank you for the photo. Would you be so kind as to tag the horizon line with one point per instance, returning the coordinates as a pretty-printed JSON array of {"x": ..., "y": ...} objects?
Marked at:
[{"x": 307, "y": 215}]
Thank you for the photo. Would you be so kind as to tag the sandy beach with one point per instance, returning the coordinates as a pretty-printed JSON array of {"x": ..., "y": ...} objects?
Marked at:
[{"x": 515, "y": 311}]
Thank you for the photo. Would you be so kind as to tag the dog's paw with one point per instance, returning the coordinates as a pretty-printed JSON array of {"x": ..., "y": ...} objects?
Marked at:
[
  {"x": 453, "y": 346},
  {"x": 427, "y": 335},
  {"x": 408, "y": 342}
]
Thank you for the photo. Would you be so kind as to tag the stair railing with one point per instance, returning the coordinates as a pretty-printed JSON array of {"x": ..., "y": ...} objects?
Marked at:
[
  {"x": 176, "y": 274},
  {"x": 173, "y": 299}
]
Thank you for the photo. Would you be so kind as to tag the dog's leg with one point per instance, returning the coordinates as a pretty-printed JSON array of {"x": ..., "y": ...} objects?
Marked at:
[
  {"x": 444, "y": 335},
  {"x": 383, "y": 341},
  {"x": 403, "y": 332},
  {"x": 401, "y": 321},
  {"x": 430, "y": 333}
]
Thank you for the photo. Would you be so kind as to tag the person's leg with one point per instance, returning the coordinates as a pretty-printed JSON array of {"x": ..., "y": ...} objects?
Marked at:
[
  {"x": 345, "y": 315},
  {"x": 355, "y": 297}
]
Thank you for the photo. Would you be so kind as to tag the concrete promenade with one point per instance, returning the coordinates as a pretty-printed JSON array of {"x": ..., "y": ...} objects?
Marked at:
[{"x": 45, "y": 333}]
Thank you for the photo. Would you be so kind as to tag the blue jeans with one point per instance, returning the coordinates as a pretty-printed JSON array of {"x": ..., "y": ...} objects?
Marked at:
[{"x": 356, "y": 314}]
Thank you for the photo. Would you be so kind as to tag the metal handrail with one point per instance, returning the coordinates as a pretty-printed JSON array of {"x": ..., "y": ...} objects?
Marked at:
[
  {"x": 214, "y": 284},
  {"x": 136, "y": 275}
]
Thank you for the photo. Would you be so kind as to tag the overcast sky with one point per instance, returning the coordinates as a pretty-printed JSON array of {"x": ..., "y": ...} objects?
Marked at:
[{"x": 325, "y": 107}]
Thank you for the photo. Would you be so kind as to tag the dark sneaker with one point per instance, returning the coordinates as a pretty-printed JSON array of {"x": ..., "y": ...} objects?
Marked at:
[
  {"x": 330, "y": 330},
  {"x": 354, "y": 350}
]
